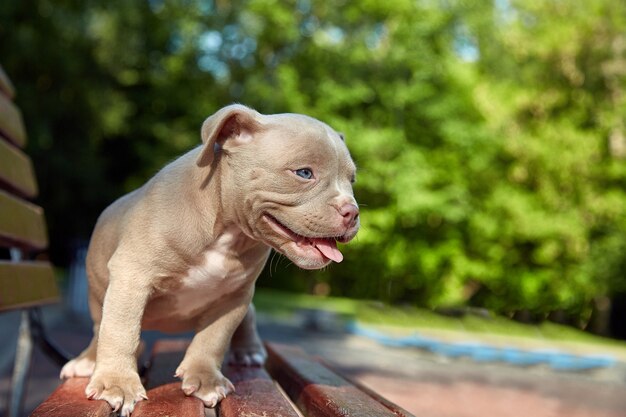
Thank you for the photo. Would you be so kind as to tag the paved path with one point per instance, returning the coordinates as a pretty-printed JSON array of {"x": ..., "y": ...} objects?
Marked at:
[
  {"x": 433, "y": 386},
  {"x": 424, "y": 384}
]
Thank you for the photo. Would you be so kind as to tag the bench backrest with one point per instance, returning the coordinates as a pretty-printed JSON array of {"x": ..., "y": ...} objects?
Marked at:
[{"x": 23, "y": 282}]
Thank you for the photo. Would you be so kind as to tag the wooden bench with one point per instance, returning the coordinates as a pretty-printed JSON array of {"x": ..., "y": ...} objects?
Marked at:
[
  {"x": 25, "y": 284},
  {"x": 292, "y": 384}
]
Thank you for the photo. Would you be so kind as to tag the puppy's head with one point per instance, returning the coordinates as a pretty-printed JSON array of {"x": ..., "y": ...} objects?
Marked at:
[{"x": 287, "y": 179}]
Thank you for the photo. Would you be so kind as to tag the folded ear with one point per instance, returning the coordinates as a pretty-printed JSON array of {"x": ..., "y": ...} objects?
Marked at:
[{"x": 235, "y": 123}]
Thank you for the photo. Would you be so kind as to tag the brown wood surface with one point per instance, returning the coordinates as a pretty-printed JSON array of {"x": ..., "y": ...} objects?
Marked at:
[
  {"x": 69, "y": 400},
  {"x": 11, "y": 123},
  {"x": 395, "y": 408},
  {"x": 169, "y": 400},
  {"x": 165, "y": 358},
  {"x": 255, "y": 395},
  {"x": 16, "y": 171},
  {"x": 22, "y": 224},
  {"x": 6, "y": 87},
  {"x": 255, "y": 392},
  {"x": 26, "y": 284},
  {"x": 316, "y": 390},
  {"x": 312, "y": 386},
  {"x": 166, "y": 397}
]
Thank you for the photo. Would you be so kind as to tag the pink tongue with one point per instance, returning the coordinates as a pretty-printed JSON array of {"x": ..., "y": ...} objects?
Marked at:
[{"x": 329, "y": 248}]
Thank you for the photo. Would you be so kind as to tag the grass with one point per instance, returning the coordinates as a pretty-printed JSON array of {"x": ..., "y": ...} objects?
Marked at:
[{"x": 284, "y": 304}]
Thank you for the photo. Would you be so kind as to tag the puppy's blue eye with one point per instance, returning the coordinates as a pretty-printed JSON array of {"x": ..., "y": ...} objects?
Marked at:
[{"x": 305, "y": 173}]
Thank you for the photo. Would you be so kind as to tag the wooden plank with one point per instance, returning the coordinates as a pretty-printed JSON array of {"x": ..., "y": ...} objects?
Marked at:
[
  {"x": 165, "y": 357},
  {"x": 165, "y": 396},
  {"x": 25, "y": 284},
  {"x": 395, "y": 408},
  {"x": 255, "y": 395},
  {"x": 21, "y": 223},
  {"x": 316, "y": 390},
  {"x": 11, "y": 123},
  {"x": 255, "y": 392},
  {"x": 164, "y": 400},
  {"x": 6, "y": 86},
  {"x": 169, "y": 400},
  {"x": 16, "y": 171},
  {"x": 69, "y": 400}
]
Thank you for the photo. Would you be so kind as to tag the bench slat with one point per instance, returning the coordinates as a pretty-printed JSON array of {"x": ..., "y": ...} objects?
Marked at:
[
  {"x": 166, "y": 398},
  {"x": 169, "y": 400},
  {"x": 26, "y": 284},
  {"x": 69, "y": 400},
  {"x": 16, "y": 171},
  {"x": 255, "y": 395},
  {"x": 21, "y": 223},
  {"x": 316, "y": 390},
  {"x": 165, "y": 358},
  {"x": 6, "y": 86},
  {"x": 393, "y": 407},
  {"x": 11, "y": 123},
  {"x": 255, "y": 392}
]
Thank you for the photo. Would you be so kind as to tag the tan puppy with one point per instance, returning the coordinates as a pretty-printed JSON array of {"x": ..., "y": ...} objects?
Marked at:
[{"x": 183, "y": 251}]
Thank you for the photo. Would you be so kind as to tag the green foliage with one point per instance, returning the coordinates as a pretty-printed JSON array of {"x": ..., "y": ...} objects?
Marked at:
[{"x": 490, "y": 137}]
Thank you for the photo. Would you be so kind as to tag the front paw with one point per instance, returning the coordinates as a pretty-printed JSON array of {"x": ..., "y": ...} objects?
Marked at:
[
  {"x": 122, "y": 390},
  {"x": 209, "y": 385}
]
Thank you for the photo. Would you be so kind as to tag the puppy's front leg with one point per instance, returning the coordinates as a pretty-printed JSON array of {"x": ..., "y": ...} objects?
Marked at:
[
  {"x": 115, "y": 378},
  {"x": 200, "y": 368},
  {"x": 246, "y": 347}
]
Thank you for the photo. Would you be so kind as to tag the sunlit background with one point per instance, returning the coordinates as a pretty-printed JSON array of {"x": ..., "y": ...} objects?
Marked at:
[{"x": 490, "y": 137}]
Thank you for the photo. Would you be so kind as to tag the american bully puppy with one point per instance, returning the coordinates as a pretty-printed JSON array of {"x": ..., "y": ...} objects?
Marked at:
[{"x": 183, "y": 251}]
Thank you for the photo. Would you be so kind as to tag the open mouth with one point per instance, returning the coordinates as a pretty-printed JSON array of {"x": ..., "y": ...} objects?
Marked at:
[{"x": 327, "y": 246}]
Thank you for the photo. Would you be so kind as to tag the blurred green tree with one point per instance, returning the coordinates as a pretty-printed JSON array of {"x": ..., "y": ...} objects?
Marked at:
[
  {"x": 552, "y": 77},
  {"x": 489, "y": 135}
]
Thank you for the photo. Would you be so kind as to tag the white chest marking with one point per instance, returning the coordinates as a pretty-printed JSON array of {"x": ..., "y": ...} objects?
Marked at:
[{"x": 210, "y": 280}]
